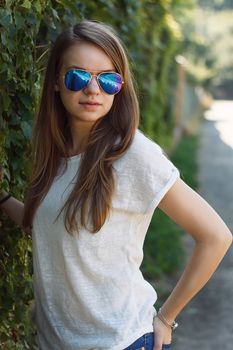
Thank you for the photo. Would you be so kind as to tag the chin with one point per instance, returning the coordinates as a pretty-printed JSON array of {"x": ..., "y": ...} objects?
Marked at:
[{"x": 90, "y": 118}]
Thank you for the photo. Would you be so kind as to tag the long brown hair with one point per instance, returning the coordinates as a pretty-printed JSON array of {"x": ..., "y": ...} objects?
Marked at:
[{"x": 108, "y": 139}]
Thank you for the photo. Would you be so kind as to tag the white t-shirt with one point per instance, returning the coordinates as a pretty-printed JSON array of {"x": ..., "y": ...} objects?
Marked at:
[{"x": 89, "y": 290}]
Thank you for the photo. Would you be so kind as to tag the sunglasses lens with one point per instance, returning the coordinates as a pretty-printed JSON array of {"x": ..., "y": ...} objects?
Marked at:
[
  {"x": 111, "y": 83},
  {"x": 76, "y": 79}
]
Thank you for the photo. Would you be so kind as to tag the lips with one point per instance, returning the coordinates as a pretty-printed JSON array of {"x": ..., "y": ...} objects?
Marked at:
[
  {"x": 90, "y": 106},
  {"x": 90, "y": 103}
]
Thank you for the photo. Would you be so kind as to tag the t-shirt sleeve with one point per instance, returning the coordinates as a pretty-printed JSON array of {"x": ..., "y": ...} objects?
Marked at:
[
  {"x": 144, "y": 177},
  {"x": 160, "y": 176}
]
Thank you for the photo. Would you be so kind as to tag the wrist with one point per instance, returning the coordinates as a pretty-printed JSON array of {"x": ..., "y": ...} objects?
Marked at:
[
  {"x": 4, "y": 196},
  {"x": 170, "y": 324},
  {"x": 169, "y": 311}
]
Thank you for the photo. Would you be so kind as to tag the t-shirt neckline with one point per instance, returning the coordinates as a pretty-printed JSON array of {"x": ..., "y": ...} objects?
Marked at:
[{"x": 76, "y": 156}]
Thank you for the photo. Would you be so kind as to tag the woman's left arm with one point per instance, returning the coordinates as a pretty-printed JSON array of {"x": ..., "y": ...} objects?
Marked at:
[{"x": 212, "y": 240}]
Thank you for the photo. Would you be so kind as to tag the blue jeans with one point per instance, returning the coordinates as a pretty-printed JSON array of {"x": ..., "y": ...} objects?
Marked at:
[{"x": 146, "y": 341}]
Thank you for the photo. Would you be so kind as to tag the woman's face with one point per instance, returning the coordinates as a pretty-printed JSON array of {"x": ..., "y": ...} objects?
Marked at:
[{"x": 92, "y": 58}]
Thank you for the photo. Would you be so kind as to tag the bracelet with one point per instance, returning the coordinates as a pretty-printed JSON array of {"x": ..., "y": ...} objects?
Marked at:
[
  {"x": 174, "y": 324},
  {"x": 4, "y": 199}
]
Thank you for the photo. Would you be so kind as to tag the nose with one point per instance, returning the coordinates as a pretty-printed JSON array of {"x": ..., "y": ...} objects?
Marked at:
[{"x": 93, "y": 86}]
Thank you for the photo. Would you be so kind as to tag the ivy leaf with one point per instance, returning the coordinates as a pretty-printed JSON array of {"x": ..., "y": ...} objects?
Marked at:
[
  {"x": 55, "y": 14},
  {"x": 3, "y": 37},
  {"x": 37, "y": 6},
  {"x": 26, "y": 4},
  {"x": 15, "y": 163},
  {"x": 71, "y": 6},
  {"x": 5, "y": 17},
  {"x": 26, "y": 99},
  {"x": 4, "y": 336},
  {"x": 27, "y": 130},
  {"x": 6, "y": 101},
  {"x": 19, "y": 20},
  {"x": 31, "y": 19}
]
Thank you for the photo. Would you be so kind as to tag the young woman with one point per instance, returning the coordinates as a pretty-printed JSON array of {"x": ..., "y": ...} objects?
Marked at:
[{"x": 96, "y": 182}]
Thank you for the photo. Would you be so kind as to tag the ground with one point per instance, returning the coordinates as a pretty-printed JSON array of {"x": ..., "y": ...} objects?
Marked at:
[{"x": 206, "y": 322}]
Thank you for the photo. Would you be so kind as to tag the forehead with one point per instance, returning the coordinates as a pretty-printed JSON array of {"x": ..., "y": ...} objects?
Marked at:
[{"x": 87, "y": 56}]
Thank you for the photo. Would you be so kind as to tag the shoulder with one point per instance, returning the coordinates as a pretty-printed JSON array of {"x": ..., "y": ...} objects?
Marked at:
[
  {"x": 145, "y": 173},
  {"x": 142, "y": 153},
  {"x": 143, "y": 145}
]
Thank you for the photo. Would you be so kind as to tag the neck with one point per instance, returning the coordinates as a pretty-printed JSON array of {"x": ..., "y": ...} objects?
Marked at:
[{"x": 79, "y": 132}]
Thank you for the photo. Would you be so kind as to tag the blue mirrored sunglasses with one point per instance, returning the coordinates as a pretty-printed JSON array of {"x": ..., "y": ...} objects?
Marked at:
[{"x": 77, "y": 79}]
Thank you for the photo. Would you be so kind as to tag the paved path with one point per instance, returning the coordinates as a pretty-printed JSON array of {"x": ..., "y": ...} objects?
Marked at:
[{"x": 206, "y": 323}]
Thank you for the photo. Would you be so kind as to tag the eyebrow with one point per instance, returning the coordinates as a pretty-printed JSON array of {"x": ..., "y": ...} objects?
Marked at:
[{"x": 105, "y": 70}]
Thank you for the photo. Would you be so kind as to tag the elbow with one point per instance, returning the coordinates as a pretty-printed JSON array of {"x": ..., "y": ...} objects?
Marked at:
[
  {"x": 219, "y": 241},
  {"x": 225, "y": 240},
  {"x": 229, "y": 239}
]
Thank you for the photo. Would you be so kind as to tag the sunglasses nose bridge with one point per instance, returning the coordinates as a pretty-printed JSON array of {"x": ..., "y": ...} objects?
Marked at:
[{"x": 90, "y": 82}]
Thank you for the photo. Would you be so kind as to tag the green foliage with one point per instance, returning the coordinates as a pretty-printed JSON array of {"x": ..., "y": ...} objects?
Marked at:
[
  {"x": 152, "y": 35},
  {"x": 222, "y": 45},
  {"x": 197, "y": 49},
  {"x": 19, "y": 26},
  {"x": 185, "y": 158},
  {"x": 162, "y": 251},
  {"x": 208, "y": 47},
  {"x": 216, "y": 4}
]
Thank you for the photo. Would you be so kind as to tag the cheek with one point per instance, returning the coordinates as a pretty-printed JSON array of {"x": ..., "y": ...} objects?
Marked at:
[
  {"x": 69, "y": 100},
  {"x": 108, "y": 103}
]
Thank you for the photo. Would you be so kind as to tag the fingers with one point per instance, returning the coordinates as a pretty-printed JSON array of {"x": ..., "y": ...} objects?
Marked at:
[
  {"x": 161, "y": 346},
  {"x": 162, "y": 335},
  {"x": 158, "y": 343}
]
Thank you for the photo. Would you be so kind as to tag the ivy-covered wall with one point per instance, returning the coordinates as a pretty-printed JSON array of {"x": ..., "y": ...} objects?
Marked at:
[{"x": 151, "y": 33}]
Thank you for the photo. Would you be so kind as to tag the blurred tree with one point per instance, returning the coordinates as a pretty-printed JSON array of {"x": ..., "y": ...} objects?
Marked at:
[
  {"x": 197, "y": 49},
  {"x": 221, "y": 39},
  {"x": 216, "y": 4}
]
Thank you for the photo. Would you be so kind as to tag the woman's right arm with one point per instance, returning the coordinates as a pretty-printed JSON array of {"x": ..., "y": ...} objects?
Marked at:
[{"x": 13, "y": 208}]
